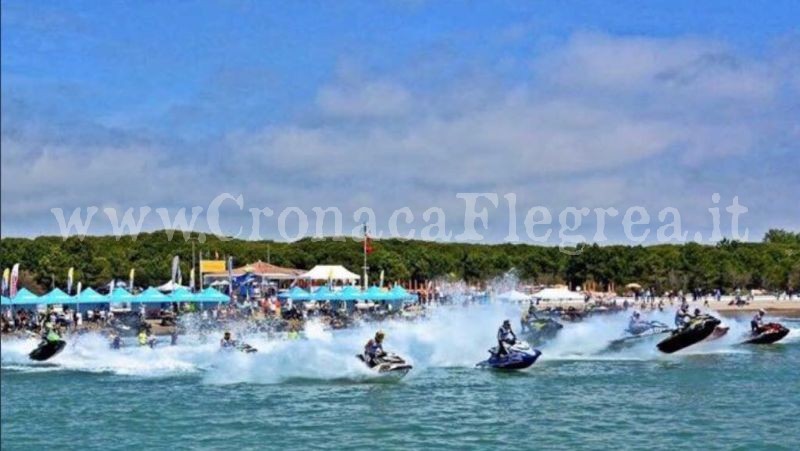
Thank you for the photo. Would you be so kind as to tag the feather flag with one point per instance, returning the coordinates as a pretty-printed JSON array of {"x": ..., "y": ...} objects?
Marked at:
[
  {"x": 70, "y": 276},
  {"x": 175, "y": 268},
  {"x": 78, "y": 291},
  {"x": 6, "y": 276},
  {"x": 130, "y": 279},
  {"x": 381, "y": 284},
  {"x": 12, "y": 284},
  {"x": 191, "y": 279}
]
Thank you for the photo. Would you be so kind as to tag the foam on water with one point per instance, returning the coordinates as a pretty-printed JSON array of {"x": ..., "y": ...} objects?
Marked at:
[{"x": 447, "y": 337}]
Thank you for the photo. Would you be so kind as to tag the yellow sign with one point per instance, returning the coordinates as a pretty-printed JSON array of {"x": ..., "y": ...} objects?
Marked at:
[{"x": 207, "y": 266}]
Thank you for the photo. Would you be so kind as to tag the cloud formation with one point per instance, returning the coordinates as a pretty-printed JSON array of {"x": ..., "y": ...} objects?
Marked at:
[{"x": 596, "y": 120}]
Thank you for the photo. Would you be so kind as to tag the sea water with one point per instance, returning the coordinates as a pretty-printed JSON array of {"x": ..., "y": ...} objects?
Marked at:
[{"x": 313, "y": 393}]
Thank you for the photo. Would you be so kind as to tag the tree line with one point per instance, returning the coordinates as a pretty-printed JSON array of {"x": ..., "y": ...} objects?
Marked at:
[{"x": 772, "y": 264}]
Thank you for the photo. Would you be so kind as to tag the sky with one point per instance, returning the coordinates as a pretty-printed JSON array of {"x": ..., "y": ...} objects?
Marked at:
[{"x": 397, "y": 104}]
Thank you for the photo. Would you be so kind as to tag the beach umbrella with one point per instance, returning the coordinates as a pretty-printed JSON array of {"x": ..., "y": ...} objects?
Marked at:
[
  {"x": 25, "y": 297},
  {"x": 151, "y": 296},
  {"x": 633, "y": 286},
  {"x": 56, "y": 296}
]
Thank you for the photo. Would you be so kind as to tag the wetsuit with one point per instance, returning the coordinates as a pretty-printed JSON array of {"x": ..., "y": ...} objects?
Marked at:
[
  {"x": 636, "y": 326},
  {"x": 372, "y": 350},
  {"x": 756, "y": 323},
  {"x": 505, "y": 336},
  {"x": 681, "y": 318}
]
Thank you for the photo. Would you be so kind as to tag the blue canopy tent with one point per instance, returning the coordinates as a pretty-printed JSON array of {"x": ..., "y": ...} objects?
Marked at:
[
  {"x": 121, "y": 295},
  {"x": 350, "y": 293},
  {"x": 152, "y": 296},
  {"x": 182, "y": 295},
  {"x": 5, "y": 301},
  {"x": 56, "y": 296},
  {"x": 211, "y": 295},
  {"x": 90, "y": 298},
  {"x": 399, "y": 293},
  {"x": 295, "y": 294},
  {"x": 323, "y": 294},
  {"x": 25, "y": 297},
  {"x": 374, "y": 293}
]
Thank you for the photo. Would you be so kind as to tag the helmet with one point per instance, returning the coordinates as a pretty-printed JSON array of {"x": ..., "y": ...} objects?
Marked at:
[
  {"x": 226, "y": 334},
  {"x": 762, "y": 311},
  {"x": 379, "y": 336},
  {"x": 636, "y": 314},
  {"x": 507, "y": 322}
]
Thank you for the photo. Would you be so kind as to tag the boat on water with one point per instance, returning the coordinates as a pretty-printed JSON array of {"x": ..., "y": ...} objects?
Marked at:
[
  {"x": 519, "y": 356},
  {"x": 696, "y": 330},
  {"x": 47, "y": 349},
  {"x": 767, "y": 334}
]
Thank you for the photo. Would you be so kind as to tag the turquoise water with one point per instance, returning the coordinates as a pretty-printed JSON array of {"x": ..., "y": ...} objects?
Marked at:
[{"x": 313, "y": 394}]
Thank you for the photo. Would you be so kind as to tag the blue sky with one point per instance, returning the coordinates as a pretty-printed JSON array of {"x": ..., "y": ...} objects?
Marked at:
[{"x": 563, "y": 103}]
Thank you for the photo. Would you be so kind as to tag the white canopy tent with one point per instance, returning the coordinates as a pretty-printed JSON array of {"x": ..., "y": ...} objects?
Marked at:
[
  {"x": 169, "y": 287},
  {"x": 513, "y": 296},
  {"x": 558, "y": 294},
  {"x": 330, "y": 272}
]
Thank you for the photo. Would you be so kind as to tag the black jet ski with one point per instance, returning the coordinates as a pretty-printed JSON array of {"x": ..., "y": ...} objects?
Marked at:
[
  {"x": 698, "y": 329},
  {"x": 519, "y": 356},
  {"x": 387, "y": 365},
  {"x": 768, "y": 333},
  {"x": 47, "y": 349},
  {"x": 639, "y": 334},
  {"x": 539, "y": 330}
]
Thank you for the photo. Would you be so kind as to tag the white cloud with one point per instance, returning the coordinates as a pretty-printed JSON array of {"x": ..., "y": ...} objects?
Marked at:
[{"x": 595, "y": 116}]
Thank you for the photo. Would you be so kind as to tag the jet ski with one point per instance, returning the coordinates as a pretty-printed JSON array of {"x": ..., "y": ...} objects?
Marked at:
[
  {"x": 768, "y": 333},
  {"x": 241, "y": 347},
  {"x": 47, "y": 349},
  {"x": 639, "y": 334},
  {"x": 520, "y": 356},
  {"x": 387, "y": 365},
  {"x": 698, "y": 329},
  {"x": 719, "y": 332},
  {"x": 540, "y": 330}
]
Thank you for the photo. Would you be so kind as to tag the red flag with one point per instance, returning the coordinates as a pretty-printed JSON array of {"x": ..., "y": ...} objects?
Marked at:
[{"x": 367, "y": 241}]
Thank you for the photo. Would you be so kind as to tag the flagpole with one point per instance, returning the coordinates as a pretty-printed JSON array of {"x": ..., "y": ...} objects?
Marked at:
[{"x": 364, "y": 279}]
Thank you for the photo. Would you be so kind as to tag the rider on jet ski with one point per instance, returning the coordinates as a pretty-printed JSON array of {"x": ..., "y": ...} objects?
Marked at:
[
  {"x": 758, "y": 321},
  {"x": 637, "y": 325},
  {"x": 682, "y": 316},
  {"x": 50, "y": 335},
  {"x": 505, "y": 336},
  {"x": 374, "y": 349},
  {"x": 227, "y": 341}
]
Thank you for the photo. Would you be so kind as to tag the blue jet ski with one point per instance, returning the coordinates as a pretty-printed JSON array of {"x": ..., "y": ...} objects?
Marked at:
[{"x": 520, "y": 356}]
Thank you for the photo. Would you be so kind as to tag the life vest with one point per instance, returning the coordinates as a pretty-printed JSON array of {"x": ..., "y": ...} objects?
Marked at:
[{"x": 142, "y": 338}]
